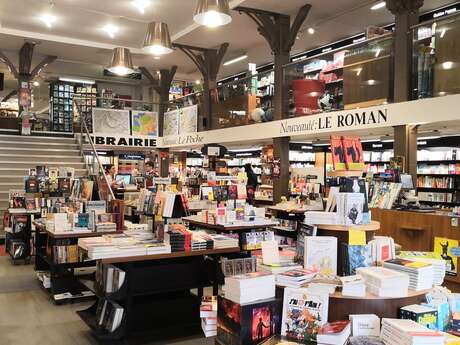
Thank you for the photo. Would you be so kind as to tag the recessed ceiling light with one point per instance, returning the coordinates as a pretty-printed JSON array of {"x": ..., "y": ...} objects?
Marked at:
[
  {"x": 311, "y": 31},
  {"x": 447, "y": 65},
  {"x": 36, "y": 83},
  {"x": 232, "y": 61},
  {"x": 141, "y": 5},
  {"x": 48, "y": 19},
  {"x": 156, "y": 57},
  {"x": 111, "y": 30},
  {"x": 198, "y": 82},
  {"x": 378, "y": 5}
]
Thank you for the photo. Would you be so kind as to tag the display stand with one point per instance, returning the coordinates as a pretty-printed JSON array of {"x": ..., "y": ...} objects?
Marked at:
[
  {"x": 24, "y": 236},
  {"x": 345, "y": 173},
  {"x": 65, "y": 285},
  {"x": 156, "y": 294}
]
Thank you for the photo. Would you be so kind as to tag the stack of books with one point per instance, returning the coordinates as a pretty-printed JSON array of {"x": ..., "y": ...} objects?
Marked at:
[
  {"x": 422, "y": 314},
  {"x": 179, "y": 238},
  {"x": 109, "y": 277},
  {"x": 353, "y": 286},
  {"x": 439, "y": 265},
  {"x": 106, "y": 227},
  {"x": 208, "y": 315},
  {"x": 319, "y": 217},
  {"x": 334, "y": 333},
  {"x": 286, "y": 263},
  {"x": 397, "y": 332},
  {"x": 384, "y": 282},
  {"x": 365, "y": 325},
  {"x": 224, "y": 241},
  {"x": 295, "y": 278},
  {"x": 420, "y": 273},
  {"x": 250, "y": 287},
  {"x": 201, "y": 241}
]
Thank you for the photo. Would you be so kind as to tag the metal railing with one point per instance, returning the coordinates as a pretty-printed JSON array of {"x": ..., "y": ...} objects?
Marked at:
[{"x": 84, "y": 133}]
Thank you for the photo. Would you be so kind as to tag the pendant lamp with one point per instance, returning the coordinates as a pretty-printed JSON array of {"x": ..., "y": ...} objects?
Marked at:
[
  {"x": 212, "y": 13},
  {"x": 157, "y": 40},
  {"x": 122, "y": 63}
]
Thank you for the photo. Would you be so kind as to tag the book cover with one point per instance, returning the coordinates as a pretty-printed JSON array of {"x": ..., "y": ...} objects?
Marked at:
[
  {"x": 353, "y": 153},
  {"x": 31, "y": 185},
  {"x": 338, "y": 154},
  {"x": 423, "y": 315},
  {"x": 356, "y": 256},
  {"x": 442, "y": 247},
  {"x": 321, "y": 254},
  {"x": 304, "y": 230},
  {"x": 30, "y": 204},
  {"x": 303, "y": 314},
  {"x": 19, "y": 202}
]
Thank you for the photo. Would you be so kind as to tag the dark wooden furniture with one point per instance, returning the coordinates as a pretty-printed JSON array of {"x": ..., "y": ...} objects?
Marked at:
[
  {"x": 156, "y": 294},
  {"x": 227, "y": 228},
  {"x": 416, "y": 231}
]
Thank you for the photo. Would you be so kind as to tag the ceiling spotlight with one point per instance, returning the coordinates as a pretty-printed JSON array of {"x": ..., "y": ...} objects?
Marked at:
[
  {"x": 36, "y": 83},
  {"x": 311, "y": 31},
  {"x": 157, "y": 40},
  {"x": 378, "y": 5},
  {"x": 198, "y": 82},
  {"x": 121, "y": 63},
  {"x": 141, "y": 5},
  {"x": 447, "y": 65},
  {"x": 212, "y": 13},
  {"x": 232, "y": 61},
  {"x": 48, "y": 19},
  {"x": 111, "y": 30}
]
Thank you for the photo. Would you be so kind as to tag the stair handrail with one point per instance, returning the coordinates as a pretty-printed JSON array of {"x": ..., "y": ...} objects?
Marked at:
[{"x": 84, "y": 130}]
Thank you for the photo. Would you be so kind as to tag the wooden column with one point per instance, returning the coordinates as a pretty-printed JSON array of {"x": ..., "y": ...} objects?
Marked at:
[
  {"x": 161, "y": 86},
  {"x": 280, "y": 35},
  {"x": 208, "y": 62},
  {"x": 24, "y": 73},
  {"x": 406, "y": 14}
]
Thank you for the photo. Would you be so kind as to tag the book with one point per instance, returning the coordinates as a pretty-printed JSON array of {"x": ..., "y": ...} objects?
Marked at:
[
  {"x": 442, "y": 247},
  {"x": 355, "y": 256},
  {"x": 303, "y": 314},
  {"x": 250, "y": 287},
  {"x": 334, "y": 333},
  {"x": 365, "y": 340},
  {"x": 353, "y": 152},
  {"x": 424, "y": 315},
  {"x": 350, "y": 208},
  {"x": 338, "y": 154},
  {"x": 353, "y": 286},
  {"x": 321, "y": 254},
  {"x": 420, "y": 273},
  {"x": 304, "y": 230},
  {"x": 365, "y": 325}
]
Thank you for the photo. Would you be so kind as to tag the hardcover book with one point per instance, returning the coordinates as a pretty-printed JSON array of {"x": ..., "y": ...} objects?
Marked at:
[
  {"x": 338, "y": 154},
  {"x": 353, "y": 153},
  {"x": 303, "y": 314}
]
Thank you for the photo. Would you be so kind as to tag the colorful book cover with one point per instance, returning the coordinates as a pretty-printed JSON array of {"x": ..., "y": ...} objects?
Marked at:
[
  {"x": 338, "y": 154},
  {"x": 303, "y": 314},
  {"x": 321, "y": 254},
  {"x": 358, "y": 256},
  {"x": 442, "y": 247},
  {"x": 353, "y": 153}
]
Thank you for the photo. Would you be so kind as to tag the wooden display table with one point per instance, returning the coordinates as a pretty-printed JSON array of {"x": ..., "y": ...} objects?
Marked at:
[
  {"x": 156, "y": 294},
  {"x": 345, "y": 173},
  {"x": 340, "y": 307},
  {"x": 244, "y": 227}
]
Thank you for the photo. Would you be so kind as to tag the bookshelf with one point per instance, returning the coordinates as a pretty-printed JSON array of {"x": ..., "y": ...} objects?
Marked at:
[
  {"x": 152, "y": 295},
  {"x": 18, "y": 235}
]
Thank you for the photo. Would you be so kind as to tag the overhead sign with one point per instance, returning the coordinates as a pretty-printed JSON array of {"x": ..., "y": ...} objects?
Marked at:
[
  {"x": 125, "y": 141},
  {"x": 413, "y": 112}
]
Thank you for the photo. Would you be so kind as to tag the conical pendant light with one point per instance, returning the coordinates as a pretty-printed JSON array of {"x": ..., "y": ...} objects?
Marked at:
[
  {"x": 212, "y": 13},
  {"x": 122, "y": 63},
  {"x": 157, "y": 40}
]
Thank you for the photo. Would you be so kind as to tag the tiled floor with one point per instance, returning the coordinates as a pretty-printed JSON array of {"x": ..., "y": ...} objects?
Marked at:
[{"x": 28, "y": 317}]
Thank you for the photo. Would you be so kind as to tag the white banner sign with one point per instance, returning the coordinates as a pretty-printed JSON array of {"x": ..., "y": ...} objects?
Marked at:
[{"x": 413, "y": 112}]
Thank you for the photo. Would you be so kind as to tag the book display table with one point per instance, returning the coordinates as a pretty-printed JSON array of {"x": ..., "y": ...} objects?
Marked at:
[
  {"x": 243, "y": 226},
  {"x": 340, "y": 307},
  {"x": 156, "y": 296},
  {"x": 57, "y": 253}
]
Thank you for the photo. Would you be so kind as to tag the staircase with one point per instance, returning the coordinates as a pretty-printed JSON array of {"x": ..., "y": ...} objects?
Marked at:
[{"x": 20, "y": 153}]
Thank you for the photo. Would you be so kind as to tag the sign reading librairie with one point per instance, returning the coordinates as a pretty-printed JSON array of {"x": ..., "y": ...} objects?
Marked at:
[
  {"x": 388, "y": 115},
  {"x": 127, "y": 141}
]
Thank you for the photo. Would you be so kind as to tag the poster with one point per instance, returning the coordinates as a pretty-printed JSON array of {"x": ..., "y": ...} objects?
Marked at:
[
  {"x": 442, "y": 247},
  {"x": 188, "y": 120},
  {"x": 110, "y": 121},
  {"x": 171, "y": 123},
  {"x": 144, "y": 123}
]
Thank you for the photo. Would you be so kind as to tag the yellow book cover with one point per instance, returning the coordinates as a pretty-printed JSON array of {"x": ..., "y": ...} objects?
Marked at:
[{"x": 442, "y": 247}]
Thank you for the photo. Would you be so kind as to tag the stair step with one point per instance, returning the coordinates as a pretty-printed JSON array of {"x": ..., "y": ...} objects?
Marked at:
[
  {"x": 11, "y": 157},
  {"x": 38, "y": 145},
  {"x": 35, "y": 150},
  {"x": 12, "y": 178},
  {"x": 7, "y": 165},
  {"x": 22, "y": 172},
  {"x": 22, "y": 138}
]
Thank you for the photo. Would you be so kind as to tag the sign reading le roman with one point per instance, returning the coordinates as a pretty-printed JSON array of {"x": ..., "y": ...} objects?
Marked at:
[
  {"x": 123, "y": 141},
  {"x": 341, "y": 121}
]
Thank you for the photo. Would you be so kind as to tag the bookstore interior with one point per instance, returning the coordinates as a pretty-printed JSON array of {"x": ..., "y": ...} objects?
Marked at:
[{"x": 230, "y": 172}]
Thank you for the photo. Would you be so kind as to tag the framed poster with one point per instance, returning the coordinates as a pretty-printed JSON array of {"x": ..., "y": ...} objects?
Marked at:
[
  {"x": 144, "y": 123},
  {"x": 111, "y": 121},
  {"x": 171, "y": 123},
  {"x": 188, "y": 122}
]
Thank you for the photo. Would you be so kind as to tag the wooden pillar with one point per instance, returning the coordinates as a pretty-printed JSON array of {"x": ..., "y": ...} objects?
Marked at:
[
  {"x": 208, "y": 62},
  {"x": 280, "y": 35},
  {"x": 406, "y": 14},
  {"x": 161, "y": 86}
]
